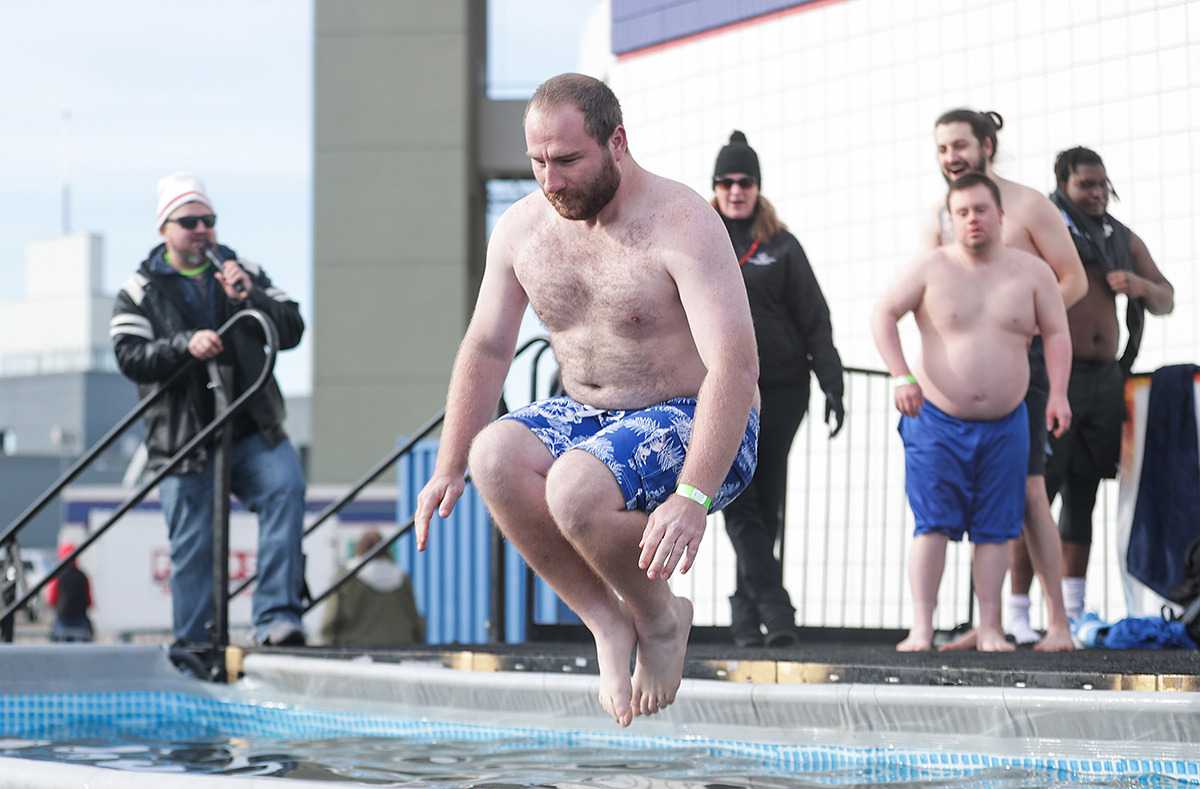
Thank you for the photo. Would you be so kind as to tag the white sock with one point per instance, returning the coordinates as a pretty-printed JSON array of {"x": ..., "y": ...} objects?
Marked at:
[
  {"x": 1018, "y": 620},
  {"x": 1073, "y": 594}
]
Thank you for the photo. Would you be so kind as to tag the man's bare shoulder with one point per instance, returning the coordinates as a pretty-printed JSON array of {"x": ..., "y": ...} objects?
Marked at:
[
  {"x": 531, "y": 216},
  {"x": 932, "y": 218},
  {"x": 529, "y": 210},
  {"x": 936, "y": 256},
  {"x": 670, "y": 193},
  {"x": 932, "y": 231},
  {"x": 686, "y": 215},
  {"x": 1028, "y": 264},
  {"x": 1018, "y": 197}
]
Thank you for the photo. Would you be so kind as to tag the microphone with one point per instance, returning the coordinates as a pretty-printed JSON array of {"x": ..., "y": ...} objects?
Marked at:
[{"x": 211, "y": 253}]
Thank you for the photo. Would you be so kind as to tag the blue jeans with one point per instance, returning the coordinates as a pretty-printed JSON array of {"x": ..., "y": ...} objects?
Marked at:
[{"x": 268, "y": 482}]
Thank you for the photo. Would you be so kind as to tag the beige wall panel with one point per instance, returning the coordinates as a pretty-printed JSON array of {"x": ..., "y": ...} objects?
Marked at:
[
  {"x": 394, "y": 196},
  {"x": 355, "y": 16},
  {"x": 390, "y": 91},
  {"x": 407, "y": 323},
  {"x": 364, "y": 427},
  {"x": 390, "y": 205}
]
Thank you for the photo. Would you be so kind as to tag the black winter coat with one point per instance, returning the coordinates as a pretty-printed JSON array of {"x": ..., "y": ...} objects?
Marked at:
[
  {"x": 154, "y": 316},
  {"x": 791, "y": 317}
]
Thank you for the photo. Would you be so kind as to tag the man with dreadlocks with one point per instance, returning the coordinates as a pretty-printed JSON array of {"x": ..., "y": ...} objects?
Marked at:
[{"x": 1116, "y": 261}]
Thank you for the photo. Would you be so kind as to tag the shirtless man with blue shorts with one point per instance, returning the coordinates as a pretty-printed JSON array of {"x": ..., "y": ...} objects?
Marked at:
[
  {"x": 606, "y": 492},
  {"x": 977, "y": 305},
  {"x": 967, "y": 141}
]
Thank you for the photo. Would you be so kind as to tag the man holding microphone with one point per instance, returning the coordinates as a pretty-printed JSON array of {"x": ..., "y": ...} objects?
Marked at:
[{"x": 166, "y": 317}]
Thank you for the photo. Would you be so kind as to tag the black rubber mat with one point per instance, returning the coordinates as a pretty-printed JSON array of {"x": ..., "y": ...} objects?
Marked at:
[{"x": 826, "y": 656}]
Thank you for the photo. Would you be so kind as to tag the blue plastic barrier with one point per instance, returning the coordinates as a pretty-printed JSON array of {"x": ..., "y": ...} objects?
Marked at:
[{"x": 452, "y": 578}]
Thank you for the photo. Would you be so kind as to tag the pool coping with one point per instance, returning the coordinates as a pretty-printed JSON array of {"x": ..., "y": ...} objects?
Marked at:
[
  {"x": 998, "y": 720},
  {"x": 1072, "y": 726}
]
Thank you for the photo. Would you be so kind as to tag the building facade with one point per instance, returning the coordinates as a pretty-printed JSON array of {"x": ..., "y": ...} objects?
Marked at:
[{"x": 839, "y": 98}]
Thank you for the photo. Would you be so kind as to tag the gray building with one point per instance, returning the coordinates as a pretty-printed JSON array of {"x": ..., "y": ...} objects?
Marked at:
[
  {"x": 405, "y": 143},
  {"x": 50, "y": 421},
  {"x": 60, "y": 391}
]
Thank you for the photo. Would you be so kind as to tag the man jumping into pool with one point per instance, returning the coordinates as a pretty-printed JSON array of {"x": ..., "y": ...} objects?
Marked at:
[{"x": 605, "y": 492}]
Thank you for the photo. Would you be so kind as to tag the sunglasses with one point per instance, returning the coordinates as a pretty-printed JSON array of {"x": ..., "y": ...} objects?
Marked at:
[
  {"x": 190, "y": 222},
  {"x": 727, "y": 183}
]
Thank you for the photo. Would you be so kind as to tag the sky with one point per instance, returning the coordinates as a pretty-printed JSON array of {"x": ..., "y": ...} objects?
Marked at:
[{"x": 110, "y": 97}]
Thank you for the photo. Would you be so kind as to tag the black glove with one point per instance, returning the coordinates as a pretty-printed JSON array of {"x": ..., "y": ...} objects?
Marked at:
[{"x": 834, "y": 407}]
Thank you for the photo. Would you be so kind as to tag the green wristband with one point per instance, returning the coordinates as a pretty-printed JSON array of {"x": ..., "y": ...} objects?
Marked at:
[
  {"x": 903, "y": 380},
  {"x": 688, "y": 492}
]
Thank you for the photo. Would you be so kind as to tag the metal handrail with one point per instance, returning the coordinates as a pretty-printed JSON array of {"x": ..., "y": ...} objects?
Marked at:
[
  {"x": 541, "y": 342},
  {"x": 272, "y": 342},
  {"x": 382, "y": 466},
  {"x": 357, "y": 488}
]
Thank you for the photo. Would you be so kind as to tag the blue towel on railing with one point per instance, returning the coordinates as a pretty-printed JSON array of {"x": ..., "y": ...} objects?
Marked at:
[{"x": 1166, "y": 517}]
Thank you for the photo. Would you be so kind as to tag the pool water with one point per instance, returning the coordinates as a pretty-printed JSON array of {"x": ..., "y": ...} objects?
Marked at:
[
  {"x": 176, "y": 733},
  {"x": 515, "y": 762}
]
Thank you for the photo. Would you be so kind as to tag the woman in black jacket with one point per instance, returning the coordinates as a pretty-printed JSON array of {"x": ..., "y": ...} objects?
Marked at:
[{"x": 791, "y": 324}]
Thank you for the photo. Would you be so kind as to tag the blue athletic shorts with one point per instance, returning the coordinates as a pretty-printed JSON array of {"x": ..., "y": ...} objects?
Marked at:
[
  {"x": 644, "y": 449},
  {"x": 963, "y": 476}
]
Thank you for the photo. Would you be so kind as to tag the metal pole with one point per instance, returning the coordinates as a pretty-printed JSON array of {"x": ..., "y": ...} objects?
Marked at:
[
  {"x": 496, "y": 621},
  {"x": 221, "y": 457}
]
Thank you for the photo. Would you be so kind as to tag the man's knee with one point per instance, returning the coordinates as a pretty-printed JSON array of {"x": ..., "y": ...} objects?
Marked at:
[
  {"x": 580, "y": 487},
  {"x": 503, "y": 449}
]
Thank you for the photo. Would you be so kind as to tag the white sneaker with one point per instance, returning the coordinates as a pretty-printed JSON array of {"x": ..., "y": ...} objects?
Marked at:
[
  {"x": 1022, "y": 633},
  {"x": 285, "y": 634}
]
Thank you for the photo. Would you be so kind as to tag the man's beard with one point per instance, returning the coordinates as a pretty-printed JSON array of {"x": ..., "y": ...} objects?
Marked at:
[
  {"x": 191, "y": 259},
  {"x": 589, "y": 200},
  {"x": 979, "y": 166}
]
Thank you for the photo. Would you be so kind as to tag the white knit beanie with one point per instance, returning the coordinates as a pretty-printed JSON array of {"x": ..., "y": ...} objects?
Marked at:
[{"x": 175, "y": 190}]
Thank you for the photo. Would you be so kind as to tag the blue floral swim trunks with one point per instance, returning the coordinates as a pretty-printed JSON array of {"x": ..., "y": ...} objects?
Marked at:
[{"x": 644, "y": 448}]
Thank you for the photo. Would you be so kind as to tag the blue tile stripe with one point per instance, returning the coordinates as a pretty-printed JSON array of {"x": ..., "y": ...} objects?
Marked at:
[{"x": 164, "y": 716}]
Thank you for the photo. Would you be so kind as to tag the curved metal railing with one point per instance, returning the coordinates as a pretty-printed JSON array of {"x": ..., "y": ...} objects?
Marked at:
[{"x": 8, "y": 537}]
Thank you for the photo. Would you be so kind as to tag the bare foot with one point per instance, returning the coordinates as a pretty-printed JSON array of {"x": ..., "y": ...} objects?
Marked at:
[
  {"x": 993, "y": 640},
  {"x": 1056, "y": 641},
  {"x": 614, "y": 650},
  {"x": 967, "y": 640},
  {"x": 661, "y": 646},
  {"x": 917, "y": 641}
]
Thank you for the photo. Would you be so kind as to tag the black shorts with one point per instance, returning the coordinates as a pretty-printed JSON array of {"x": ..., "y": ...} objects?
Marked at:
[
  {"x": 1092, "y": 447},
  {"x": 1035, "y": 402}
]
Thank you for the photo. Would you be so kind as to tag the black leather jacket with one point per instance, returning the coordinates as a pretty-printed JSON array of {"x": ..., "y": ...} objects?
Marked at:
[{"x": 155, "y": 314}]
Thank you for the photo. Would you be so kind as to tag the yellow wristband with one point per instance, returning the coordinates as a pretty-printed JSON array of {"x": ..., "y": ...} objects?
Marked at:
[
  {"x": 903, "y": 380},
  {"x": 688, "y": 492}
]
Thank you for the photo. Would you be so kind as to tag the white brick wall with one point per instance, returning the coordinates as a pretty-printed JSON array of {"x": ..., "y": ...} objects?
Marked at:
[{"x": 839, "y": 101}]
